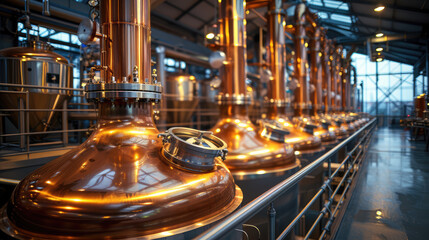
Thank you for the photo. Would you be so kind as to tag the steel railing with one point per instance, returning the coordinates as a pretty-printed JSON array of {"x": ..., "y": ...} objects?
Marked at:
[{"x": 349, "y": 164}]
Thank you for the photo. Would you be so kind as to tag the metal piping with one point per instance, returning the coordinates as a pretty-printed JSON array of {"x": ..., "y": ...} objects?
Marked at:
[
  {"x": 276, "y": 59},
  {"x": 233, "y": 44},
  {"x": 249, "y": 151},
  {"x": 326, "y": 73},
  {"x": 105, "y": 188},
  {"x": 131, "y": 19},
  {"x": 301, "y": 101},
  {"x": 316, "y": 71}
]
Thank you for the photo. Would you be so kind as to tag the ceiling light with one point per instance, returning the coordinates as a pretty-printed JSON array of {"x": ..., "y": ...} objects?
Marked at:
[
  {"x": 210, "y": 36},
  {"x": 379, "y": 8},
  {"x": 379, "y": 49},
  {"x": 379, "y": 59},
  {"x": 380, "y": 34}
]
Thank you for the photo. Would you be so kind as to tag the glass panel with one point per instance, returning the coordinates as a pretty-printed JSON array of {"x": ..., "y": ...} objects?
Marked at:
[{"x": 341, "y": 18}]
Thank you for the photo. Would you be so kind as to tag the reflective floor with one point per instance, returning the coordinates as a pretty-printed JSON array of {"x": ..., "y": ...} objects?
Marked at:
[{"x": 391, "y": 199}]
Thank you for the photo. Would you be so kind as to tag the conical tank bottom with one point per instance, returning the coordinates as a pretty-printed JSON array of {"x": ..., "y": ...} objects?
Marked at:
[
  {"x": 39, "y": 121},
  {"x": 117, "y": 185}
]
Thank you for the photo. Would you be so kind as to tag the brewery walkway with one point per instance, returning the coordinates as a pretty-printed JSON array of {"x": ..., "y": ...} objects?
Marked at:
[{"x": 391, "y": 199}]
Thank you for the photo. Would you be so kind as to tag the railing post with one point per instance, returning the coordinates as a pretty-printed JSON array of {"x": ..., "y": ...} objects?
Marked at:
[
  {"x": 21, "y": 123},
  {"x": 27, "y": 117},
  {"x": 65, "y": 124},
  {"x": 271, "y": 222}
]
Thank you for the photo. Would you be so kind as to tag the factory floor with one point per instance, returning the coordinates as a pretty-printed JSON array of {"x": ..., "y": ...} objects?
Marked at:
[{"x": 391, "y": 199}]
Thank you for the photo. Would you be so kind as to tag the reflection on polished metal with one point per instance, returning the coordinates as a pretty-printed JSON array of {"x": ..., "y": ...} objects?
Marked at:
[
  {"x": 180, "y": 92},
  {"x": 302, "y": 102},
  {"x": 249, "y": 152},
  {"x": 125, "y": 181},
  {"x": 277, "y": 126},
  {"x": 323, "y": 128},
  {"x": 192, "y": 149},
  {"x": 35, "y": 65},
  {"x": 328, "y": 86}
]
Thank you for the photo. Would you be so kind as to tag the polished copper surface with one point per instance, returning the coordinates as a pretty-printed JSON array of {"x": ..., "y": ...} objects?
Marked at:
[
  {"x": 126, "y": 40},
  {"x": 326, "y": 73},
  {"x": 233, "y": 44},
  {"x": 338, "y": 76},
  {"x": 316, "y": 76},
  {"x": 301, "y": 99},
  {"x": 334, "y": 75},
  {"x": 302, "y": 104},
  {"x": 118, "y": 185},
  {"x": 276, "y": 56},
  {"x": 297, "y": 137},
  {"x": 249, "y": 153}
]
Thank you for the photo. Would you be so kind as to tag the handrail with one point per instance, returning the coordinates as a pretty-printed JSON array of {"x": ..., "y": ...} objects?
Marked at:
[
  {"x": 249, "y": 210},
  {"x": 41, "y": 87}
]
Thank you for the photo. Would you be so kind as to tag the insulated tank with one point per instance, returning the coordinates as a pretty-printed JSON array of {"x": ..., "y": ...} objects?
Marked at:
[{"x": 35, "y": 65}]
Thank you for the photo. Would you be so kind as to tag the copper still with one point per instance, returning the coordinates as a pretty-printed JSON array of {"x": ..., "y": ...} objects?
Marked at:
[
  {"x": 325, "y": 128},
  {"x": 256, "y": 162},
  {"x": 277, "y": 126},
  {"x": 328, "y": 86},
  {"x": 249, "y": 151},
  {"x": 127, "y": 180},
  {"x": 302, "y": 104}
]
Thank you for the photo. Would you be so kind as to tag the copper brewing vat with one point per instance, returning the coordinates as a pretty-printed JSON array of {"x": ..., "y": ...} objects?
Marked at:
[
  {"x": 249, "y": 151},
  {"x": 327, "y": 84},
  {"x": 301, "y": 102},
  {"x": 125, "y": 181},
  {"x": 256, "y": 162},
  {"x": 277, "y": 126}
]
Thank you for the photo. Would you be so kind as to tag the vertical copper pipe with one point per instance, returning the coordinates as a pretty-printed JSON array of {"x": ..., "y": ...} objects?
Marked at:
[
  {"x": 316, "y": 71},
  {"x": 326, "y": 73},
  {"x": 277, "y": 59},
  {"x": 126, "y": 43},
  {"x": 336, "y": 77},
  {"x": 233, "y": 44},
  {"x": 301, "y": 93},
  {"x": 344, "y": 92},
  {"x": 340, "y": 76},
  {"x": 334, "y": 74}
]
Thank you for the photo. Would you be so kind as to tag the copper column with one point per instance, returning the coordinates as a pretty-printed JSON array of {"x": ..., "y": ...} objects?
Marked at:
[
  {"x": 249, "y": 152},
  {"x": 126, "y": 41},
  {"x": 277, "y": 60},
  {"x": 301, "y": 103},
  {"x": 316, "y": 76},
  {"x": 326, "y": 74},
  {"x": 119, "y": 184}
]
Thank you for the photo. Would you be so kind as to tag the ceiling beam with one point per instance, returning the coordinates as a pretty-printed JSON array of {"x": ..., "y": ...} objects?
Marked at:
[
  {"x": 188, "y": 10},
  {"x": 387, "y": 5},
  {"x": 348, "y": 13}
]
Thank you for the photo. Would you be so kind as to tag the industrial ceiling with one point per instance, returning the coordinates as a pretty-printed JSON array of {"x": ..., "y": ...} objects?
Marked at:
[{"x": 350, "y": 22}]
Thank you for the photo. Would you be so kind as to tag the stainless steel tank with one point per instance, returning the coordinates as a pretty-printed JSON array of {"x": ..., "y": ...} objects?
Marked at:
[
  {"x": 35, "y": 65},
  {"x": 180, "y": 89}
]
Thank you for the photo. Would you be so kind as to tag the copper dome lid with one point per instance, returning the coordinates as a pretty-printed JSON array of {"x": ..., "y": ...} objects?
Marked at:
[{"x": 118, "y": 185}]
